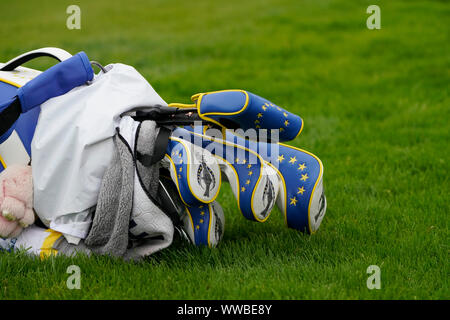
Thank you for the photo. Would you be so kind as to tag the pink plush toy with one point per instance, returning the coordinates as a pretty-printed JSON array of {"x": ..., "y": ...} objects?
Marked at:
[{"x": 16, "y": 200}]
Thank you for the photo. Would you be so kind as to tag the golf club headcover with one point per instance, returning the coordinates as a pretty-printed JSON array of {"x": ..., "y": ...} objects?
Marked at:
[
  {"x": 194, "y": 171},
  {"x": 204, "y": 223},
  {"x": 242, "y": 109},
  {"x": 254, "y": 184},
  {"x": 301, "y": 195},
  {"x": 200, "y": 224}
]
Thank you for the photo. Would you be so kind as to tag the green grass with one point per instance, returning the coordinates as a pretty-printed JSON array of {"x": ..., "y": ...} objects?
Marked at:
[{"x": 376, "y": 107}]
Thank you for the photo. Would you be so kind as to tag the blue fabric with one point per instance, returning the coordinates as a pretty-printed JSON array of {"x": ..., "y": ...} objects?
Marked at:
[
  {"x": 53, "y": 82},
  {"x": 299, "y": 169},
  {"x": 26, "y": 124},
  {"x": 7, "y": 92},
  {"x": 201, "y": 215},
  {"x": 252, "y": 113},
  {"x": 56, "y": 81},
  {"x": 177, "y": 154},
  {"x": 25, "y": 127},
  {"x": 2, "y": 107}
]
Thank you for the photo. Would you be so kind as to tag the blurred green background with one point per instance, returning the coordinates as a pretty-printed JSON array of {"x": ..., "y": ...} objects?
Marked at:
[{"x": 376, "y": 110}]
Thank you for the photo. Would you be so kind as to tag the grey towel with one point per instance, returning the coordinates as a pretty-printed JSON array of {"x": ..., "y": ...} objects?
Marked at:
[
  {"x": 109, "y": 231},
  {"x": 126, "y": 195}
]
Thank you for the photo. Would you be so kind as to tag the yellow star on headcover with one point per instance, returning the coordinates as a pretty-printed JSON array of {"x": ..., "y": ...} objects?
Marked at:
[
  {"x": 301, "y": 166},
  {"x": 301, "y": 190},
  {"x": 256, "y": 121},
  {"x": 201, "y": 220},
  {"x": 286, "y": 123},
  {"x": 197, "y": 227},
  {"x": 202, "y": 213},
  {"x": 293, "y": 159},
  {"x": 181, "y": 169},
  {"x": 243, "y": 189},
  {"x": 264, "y": 108},
  {"x": 258, "y": 126},
  {"x": 250, "y": 173},
  {"x": 259, "y": 115},
  {"x": 200, "y": 206},
  {"x": 278, "y": 108},
  {"x": 237, "y": 160},
  {"x": 281, "y": 129},
  {"x": 280, "y": 158},
  {"x": 304, "y": 177},
  {"x": 244, "y": 161},
  {"x": 293, "y": 201},
  {"x": 249, "y": 166},
  {"x": 285, "y": 114},
  {"x": 181, "y": 161},
  {"x": 247, "y": 182},
  {"x": 267, "y": 104},
  {"x": 179, "y": 177}
]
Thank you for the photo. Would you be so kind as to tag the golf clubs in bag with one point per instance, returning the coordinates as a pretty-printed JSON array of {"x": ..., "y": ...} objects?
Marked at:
[{"x": 105, "y": 142}]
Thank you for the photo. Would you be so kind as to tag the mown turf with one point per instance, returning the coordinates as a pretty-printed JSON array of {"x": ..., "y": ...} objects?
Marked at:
[{"x": 376, "y": 108}]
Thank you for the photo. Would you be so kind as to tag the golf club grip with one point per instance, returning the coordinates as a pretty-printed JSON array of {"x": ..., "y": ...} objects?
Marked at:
[{"x": 56, "y": 53}]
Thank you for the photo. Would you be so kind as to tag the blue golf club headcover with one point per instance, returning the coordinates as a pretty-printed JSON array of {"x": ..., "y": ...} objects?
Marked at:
[
  {"x": 300, "y": 194},
  {"x": 194, "y": 171},
  {"x": 242, "y": 109},
  {"x": 202, "y": 224},
  {"x": 301, "y": 197}
]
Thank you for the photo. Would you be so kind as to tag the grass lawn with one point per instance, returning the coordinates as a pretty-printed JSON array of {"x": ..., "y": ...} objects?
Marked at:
[{"x": 376, "y": 108}]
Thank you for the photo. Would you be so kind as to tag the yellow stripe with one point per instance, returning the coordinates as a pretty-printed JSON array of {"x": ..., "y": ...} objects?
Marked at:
[
  {"x": 176, "y": 178},
  {"x": 301, "y": 129},
  {"x": 209, "y": 226},
  {"x": 181, "y": 105},
  {"x": 2, "y": 162},
  {"x": 192, "y": 221},
  {"x": 47, "y": 247},
  {"x": 285, "y": 190},
  {"x": 17, "y": 86},
  {"x": 11, "y": 83}
]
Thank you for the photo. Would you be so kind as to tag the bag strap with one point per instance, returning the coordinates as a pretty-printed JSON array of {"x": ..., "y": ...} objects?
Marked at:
[
  {"x": 55, "y": 53},
  {"x": 162, "y": 140}
]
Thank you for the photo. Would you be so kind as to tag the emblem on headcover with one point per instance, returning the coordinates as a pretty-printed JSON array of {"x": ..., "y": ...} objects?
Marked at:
[
  {"x": 218, "y": 228},
  {"x": 205, "y": 177},
  {"x": 268, "y": 198},
  {"x": 322, "y": 202}
]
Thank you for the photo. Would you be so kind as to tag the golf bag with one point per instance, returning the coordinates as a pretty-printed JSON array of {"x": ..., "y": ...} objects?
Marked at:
[{"x": 45, "y": 117}]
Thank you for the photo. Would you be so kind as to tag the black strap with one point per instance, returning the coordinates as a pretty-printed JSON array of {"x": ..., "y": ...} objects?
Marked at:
[
  {"x": 162, "y": 140},
  {"x": 26, "y": 58},
  {"x": 9, "y": 116}
]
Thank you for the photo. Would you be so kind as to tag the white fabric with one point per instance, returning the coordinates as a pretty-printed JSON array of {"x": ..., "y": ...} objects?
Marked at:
[
  {"x": 72, "y": 145},
  {"x": 152, "y": 221},
  {"x": 32, "y": 240},
  {"x": 13, "y": 151}
]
